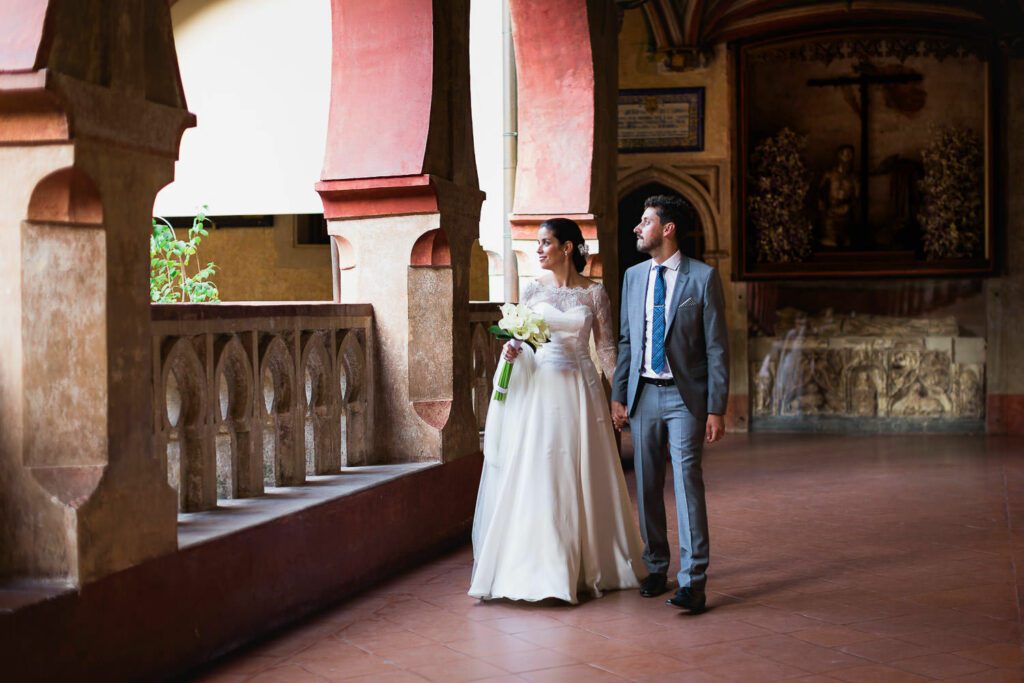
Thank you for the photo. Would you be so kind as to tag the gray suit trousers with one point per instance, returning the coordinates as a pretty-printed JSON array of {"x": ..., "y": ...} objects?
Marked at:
[{"x": 662, "y": 422}]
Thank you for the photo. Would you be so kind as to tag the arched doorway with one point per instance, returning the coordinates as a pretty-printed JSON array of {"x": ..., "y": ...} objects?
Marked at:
[{"x": 631, "y": 207}]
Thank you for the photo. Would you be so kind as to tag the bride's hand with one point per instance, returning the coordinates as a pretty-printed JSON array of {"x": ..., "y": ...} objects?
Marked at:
[
  {"x": 510, "y": 352},
  {"x": 620, "y": 416}
]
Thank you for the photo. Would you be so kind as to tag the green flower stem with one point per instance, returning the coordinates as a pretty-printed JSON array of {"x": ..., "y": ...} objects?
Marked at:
[
  {"x": 503, "y": 379},
  {"x": 506, "y": 373}
]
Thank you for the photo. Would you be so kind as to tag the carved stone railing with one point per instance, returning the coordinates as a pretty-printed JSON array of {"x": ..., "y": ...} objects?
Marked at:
[
  {"x": 255, "y": 395},
  {"x": 485, "y": 350}
]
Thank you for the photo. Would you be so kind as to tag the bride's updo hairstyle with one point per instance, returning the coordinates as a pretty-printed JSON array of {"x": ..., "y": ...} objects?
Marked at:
[{"x": 567, "y": 230}]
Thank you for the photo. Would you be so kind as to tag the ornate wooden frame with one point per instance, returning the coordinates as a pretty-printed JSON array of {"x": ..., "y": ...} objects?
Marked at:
[
  {"x": 694, "y": 142},
  {"x": 870, "y": 263}
]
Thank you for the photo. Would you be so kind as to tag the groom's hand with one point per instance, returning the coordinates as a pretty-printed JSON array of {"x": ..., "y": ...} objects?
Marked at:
[
  {"x": 715, "y": 428},
  {"x": 619, "y": 415}
]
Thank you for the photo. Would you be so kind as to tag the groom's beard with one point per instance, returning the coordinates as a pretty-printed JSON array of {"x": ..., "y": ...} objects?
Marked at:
[{"x": 644, "y": 248}]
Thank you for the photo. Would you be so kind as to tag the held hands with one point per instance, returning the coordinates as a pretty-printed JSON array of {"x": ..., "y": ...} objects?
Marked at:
[
  {"x": 714, "y": 431},
  {"x": 620, "y": 417}
]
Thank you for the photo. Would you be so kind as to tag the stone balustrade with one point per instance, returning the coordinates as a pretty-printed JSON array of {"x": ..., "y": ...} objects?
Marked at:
[
  {"x": 485, "y": 350},
  {"x": 255, "y": 395}
]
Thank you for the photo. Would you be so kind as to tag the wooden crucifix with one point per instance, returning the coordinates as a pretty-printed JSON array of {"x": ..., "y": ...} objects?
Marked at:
[{"x": 864, "y": 79}]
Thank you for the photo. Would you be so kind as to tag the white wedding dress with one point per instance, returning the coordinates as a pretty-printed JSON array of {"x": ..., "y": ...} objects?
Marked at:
[{"x": 553, "y": 518}]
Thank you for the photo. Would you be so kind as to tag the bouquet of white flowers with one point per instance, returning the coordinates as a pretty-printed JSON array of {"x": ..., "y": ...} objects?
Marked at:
[{"x": 519, "y": 324}]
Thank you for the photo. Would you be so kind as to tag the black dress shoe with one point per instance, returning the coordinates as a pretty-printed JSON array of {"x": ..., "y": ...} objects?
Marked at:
[
  {"x": 692, "y": 599},
  {"x": 653, "y": 586}
]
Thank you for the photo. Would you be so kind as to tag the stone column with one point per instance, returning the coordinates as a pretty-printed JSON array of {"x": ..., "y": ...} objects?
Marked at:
[
  {"x": 91, "y": 114},
  {"x": 401, "y": 197},
  {"x": 567, "y": 71},
  {"x": 1005, "y": 404}
]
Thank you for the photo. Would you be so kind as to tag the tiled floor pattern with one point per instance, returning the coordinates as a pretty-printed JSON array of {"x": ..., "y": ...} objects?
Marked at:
[{"x": 876, "y": 558}]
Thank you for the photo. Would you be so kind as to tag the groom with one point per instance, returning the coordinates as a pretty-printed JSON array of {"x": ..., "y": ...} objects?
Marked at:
[{"x": 671, "y": 385}]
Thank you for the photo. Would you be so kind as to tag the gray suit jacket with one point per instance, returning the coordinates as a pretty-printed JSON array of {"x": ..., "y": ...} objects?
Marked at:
[{"x": 696, "y": 340}]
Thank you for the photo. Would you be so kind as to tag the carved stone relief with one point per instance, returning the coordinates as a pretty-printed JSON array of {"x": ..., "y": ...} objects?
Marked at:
[{"x": 867, "y": 366}]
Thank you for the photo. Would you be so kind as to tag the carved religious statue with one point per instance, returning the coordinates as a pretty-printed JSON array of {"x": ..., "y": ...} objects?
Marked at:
[
  {"x": 838, "y": 192},
  {"x": 867, "y": 366}
]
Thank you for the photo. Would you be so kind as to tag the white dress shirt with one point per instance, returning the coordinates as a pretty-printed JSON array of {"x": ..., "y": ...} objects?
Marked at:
[{"x": 671, "y": 272}]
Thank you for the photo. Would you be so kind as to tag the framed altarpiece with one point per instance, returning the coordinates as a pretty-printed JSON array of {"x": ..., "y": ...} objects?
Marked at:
[{"x": 866, "y": 154}]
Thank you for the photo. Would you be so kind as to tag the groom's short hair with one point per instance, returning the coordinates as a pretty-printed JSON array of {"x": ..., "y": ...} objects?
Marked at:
[{"x": 671, "y": 209}]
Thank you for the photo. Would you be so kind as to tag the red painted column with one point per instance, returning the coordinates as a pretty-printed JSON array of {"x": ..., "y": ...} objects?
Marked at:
[
  {"x": 380, "y": 93},
  {"x": 401, "y": 197},
  {"x": 567, "y": 72},
  {"x": 556, "y": 83},
  {"x": 21, "y": 34}
]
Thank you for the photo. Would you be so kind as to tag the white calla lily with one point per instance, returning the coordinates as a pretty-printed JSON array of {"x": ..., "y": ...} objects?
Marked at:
[{"x": 525, "y": 325}]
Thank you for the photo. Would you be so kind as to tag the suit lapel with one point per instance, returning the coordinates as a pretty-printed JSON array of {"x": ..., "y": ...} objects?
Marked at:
[
  {"x": 639, "y": 296},
  {"x": 677, "y": 291}
]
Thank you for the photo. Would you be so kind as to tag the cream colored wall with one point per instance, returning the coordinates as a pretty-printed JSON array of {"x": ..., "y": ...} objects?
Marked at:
[
  {"x": 704, "y": 178},
  {"x": 256, "y": 74},
  {"x": 264, "y": 264},
  {"x": 640, "y": 69},
  {"x": 705, "y": 175},
  {"x": 486, "y": 91}
]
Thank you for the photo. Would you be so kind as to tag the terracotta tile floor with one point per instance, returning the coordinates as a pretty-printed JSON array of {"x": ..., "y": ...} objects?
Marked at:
[{"x": 866, "y": 558}]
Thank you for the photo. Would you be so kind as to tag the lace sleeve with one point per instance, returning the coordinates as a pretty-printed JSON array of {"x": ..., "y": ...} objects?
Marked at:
[
  {"x": 529, "y": 293},
  {"x": 604, "y": 334}
]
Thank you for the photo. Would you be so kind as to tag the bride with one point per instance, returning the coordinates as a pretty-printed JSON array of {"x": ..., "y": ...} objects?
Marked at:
[{"x": 553, "y": 518}]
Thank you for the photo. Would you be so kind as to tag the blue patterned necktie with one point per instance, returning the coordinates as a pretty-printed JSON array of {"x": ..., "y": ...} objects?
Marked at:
[{"x": 658, "y": 323}]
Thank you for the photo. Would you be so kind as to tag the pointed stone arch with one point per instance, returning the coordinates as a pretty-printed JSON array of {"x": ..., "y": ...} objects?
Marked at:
[
  {"x": 239, "y": 442},
  {"x": 689, "y": 188},
  {"x": 483, "y": 369},
  {"x": 282, "y": 455},
  {"x": 321, "y": 415},
  {"x": 351, "y": 368},
  {"x": 190, "y": 452},
  {"x": 354, "y": 399}
]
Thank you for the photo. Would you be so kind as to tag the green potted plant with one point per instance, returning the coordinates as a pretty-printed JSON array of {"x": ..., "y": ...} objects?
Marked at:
[{"x": 170, "y": 260}]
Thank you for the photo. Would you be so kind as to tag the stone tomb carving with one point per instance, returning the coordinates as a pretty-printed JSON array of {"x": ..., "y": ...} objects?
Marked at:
[{"x": 867, "y": 366}]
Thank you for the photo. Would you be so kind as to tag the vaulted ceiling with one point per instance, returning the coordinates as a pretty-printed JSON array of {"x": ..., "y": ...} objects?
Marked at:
[{"x": 689, "y": 24}]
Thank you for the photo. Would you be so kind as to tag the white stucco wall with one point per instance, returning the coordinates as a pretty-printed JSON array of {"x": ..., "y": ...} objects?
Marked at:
[{"x": 256, "y": 74}]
